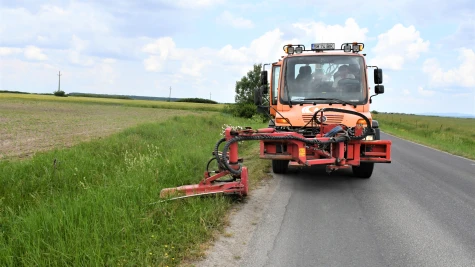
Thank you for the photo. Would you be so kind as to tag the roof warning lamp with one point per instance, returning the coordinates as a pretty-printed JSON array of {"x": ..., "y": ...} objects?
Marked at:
[
  {"x": 293, "y": 49},
  {"x": 355, "y": 47}
]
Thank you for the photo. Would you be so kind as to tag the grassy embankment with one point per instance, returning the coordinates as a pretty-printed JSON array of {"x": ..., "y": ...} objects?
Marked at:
[
  {"x": 453, "y": 135},
  {"x": 122, "y": 102},
  {"x": 89, "y": 205}
]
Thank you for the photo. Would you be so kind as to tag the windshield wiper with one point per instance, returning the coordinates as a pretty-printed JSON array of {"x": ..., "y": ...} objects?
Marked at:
[{"x": 334, "y": 100}]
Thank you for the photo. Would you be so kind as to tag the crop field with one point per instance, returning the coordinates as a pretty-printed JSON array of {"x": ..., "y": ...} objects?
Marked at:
[
  {"x": 30, "y": 125},
  {"x": 119, "y": 102},
  {"x": 95, "y": 202},
  {"x": 453, "y": 135}
]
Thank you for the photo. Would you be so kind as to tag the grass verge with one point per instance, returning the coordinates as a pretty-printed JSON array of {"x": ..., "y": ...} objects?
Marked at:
[
  {"x": 453, "y": 135},
  {"x": 90, "y": 205},
  {"x": 121, "y": 102}
]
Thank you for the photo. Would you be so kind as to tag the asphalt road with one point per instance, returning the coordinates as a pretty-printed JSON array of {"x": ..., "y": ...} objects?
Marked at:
[{"x": 418, "y": 210}]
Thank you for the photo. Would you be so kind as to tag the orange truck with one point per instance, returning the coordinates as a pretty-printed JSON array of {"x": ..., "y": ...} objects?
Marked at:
[
  {"x": 323, "y": 92},
  {"x": 319, "y": 108}
]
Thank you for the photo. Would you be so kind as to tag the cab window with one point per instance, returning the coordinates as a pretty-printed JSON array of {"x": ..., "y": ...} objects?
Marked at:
[{"x": 275, "y": 83}]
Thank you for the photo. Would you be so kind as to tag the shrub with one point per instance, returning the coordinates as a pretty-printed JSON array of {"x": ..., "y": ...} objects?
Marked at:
[
  {"x": 245, "y": 110},
  {"x": 60, "y": 93},
  {"x": 197, "y": 100}
]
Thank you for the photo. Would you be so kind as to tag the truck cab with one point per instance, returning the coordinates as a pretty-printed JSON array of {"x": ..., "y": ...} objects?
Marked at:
[
  {"x": 302, "y": 83},
  {"x": 305, "y": 81}
]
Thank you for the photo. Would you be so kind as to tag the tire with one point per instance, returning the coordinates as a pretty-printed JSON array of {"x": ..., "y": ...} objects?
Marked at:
[
  {"x": 377, "y": 134},
  {"x": 365, "y": 170},
  {"x": 280, "y": 166}
]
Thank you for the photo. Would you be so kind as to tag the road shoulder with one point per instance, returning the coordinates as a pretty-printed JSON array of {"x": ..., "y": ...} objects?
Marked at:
[{"x": 230, "y": 247}]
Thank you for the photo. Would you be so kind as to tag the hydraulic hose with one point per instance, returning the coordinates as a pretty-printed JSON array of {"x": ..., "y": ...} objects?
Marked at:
[
  {"x": 334, "y": 131},
  {"x": 216, "y": 152},
  {"x": 367, "y": 130},
  {"x": 269, "y": 137}
]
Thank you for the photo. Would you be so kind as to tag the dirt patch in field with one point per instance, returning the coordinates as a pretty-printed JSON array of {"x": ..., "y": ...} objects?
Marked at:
[{"x": 27, "y": 127}]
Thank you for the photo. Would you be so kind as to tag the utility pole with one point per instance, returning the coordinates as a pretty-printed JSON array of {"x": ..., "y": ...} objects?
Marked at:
[
  {"x": 59, "y": 81},
  {"x": 170, "y": 95},
  {"x": 209, "y": 95}
]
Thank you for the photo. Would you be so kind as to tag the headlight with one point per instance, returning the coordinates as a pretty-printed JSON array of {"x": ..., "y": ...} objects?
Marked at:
[{"x": 369, "y": 138}]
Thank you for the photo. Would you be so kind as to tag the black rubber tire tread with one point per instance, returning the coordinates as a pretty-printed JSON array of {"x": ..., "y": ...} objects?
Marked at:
[
  {"x": 377, "y": 134},
  {"x": 280, "y": 166},
  {"x": 365, "y": 170}
]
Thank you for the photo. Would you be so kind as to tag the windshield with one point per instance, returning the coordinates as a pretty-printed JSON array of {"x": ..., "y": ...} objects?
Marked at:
[{"x": 324, "y": 76}]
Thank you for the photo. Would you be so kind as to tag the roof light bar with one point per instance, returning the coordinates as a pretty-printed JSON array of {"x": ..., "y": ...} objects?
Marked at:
[{"x": 354, "y": 47}]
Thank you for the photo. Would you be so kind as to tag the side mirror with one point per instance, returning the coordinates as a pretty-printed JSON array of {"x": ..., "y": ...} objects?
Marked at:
[
  {"x": 378, "y": 76},
  {"x": 257, "y": 96},
  {"x": 264, "y": 77},
  {"x": 379, "y": 89},
  {"x": 264, "y": 89}
]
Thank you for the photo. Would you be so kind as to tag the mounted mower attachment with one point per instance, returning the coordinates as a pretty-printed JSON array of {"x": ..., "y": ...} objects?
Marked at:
[
  {"x": 228, "y": 165},
  {"x": 336, "y": 146}
]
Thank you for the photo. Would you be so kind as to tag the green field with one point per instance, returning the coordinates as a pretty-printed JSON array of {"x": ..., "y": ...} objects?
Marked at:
[
  {"x": 121, "y": 102},
  {"x": 29, "y": 126},
  {"x": 90, "y": 204},
  {"x": 453, "y": 135}
]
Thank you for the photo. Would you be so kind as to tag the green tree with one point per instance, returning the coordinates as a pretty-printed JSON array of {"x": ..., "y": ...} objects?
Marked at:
[
  {"x": 244, "y": 98},
  {"x": 245, "y": 87}
]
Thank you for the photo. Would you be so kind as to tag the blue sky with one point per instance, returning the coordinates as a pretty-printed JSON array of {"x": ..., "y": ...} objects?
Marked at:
[{"x": 425, "y": 48}]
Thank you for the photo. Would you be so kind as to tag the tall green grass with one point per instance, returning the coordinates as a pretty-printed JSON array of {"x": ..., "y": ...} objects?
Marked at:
[
  {"x": 90, "y": 205},
  {"x": 453, "y": 135}
]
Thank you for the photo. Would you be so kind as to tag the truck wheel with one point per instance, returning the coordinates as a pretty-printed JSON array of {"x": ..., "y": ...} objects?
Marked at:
[
  {"x": 377, "y": 134},
  {"x": 280, "y": 166},
  {"x": 365, "y": 170}
]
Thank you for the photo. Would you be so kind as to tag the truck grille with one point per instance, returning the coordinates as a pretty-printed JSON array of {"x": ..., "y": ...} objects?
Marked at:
[{"x": 331, "y": 119}]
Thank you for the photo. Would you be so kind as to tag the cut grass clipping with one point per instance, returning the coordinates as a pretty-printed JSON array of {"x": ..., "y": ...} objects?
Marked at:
[
  {"x": 90, "y": 205},
  {"x": 453, "y": 135}
]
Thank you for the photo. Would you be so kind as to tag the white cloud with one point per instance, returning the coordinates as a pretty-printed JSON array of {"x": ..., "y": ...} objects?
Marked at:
[
  {"x": 34, "y": 53},
  {"x": 424, "y": 92},
  {"x": 197, "y": 63},
  {"x": 160, "y": 50},
  {"x": 197, "y": 3},
  {"x": 153, "y": 63},
  {"x": 338, "y": 34},
  {"x": 397, "y": 46},
  {"x": 6, "y": 51},
  {"x": 104, "y": 72},
  {"x": 52, "y": 23},
  {"x": 193, "y": 66},
  {"x": 228, "y": 54},
  {"x": 75, "y": 52},
  {"x": 460, "y": 76},
  {"x": 227, "y": 18}
]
